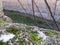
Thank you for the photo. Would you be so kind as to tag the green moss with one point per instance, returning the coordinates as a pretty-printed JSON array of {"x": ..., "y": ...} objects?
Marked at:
[
  {"x": 55, "y": 32},
  {"x": 21, "y": 43},
  {"x": 49, "y": 33},
  {"x": 12, "y": 29},
  {"x": 33, "y": 37},
  {"x": 3, "y": 43},
  {"x": 1, "y": 21}
]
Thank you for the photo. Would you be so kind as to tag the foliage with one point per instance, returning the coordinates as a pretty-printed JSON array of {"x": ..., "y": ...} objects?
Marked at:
[
  {"x": 21, "y": 43},
  {"x": 3, "y": 43},
  {"x": 49, "y": 33},
  {"x": 24, "y": 18},
  {"x": 12, "y": 29},
  {"x": 34, "y": 38},
  {"x": 1, "y": 21},
  {"x": 18, "y": 17},
  {"x": 16, "y": 36}
]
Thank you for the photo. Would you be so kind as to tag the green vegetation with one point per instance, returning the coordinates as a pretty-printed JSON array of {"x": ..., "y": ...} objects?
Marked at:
[
  {"x": 0, "y": 32},
  {"x": 1, "y": 21},
  {"x": 21, "y": 43},
  {"x": 16, "y": 36},
  {"x": 55, "y": 32},
  {"x": 29, "y": 28},
  {"x": 18, "y": 17},
  {"x": 3, "y": 43},
  {"x": 12, "y": 29},
  {"x": 49, "y": 33},
  {"x": 24, "y": 18},
  {"x": 33, "y": 37}
]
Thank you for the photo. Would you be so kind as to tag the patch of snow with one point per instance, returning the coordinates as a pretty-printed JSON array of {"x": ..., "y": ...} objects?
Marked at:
[
  {"x": 6, "y": 38},
  {"x": 41, "y": 35},
  {"x": 45, "y": 38},
  {"x": 48, "y": 39}
]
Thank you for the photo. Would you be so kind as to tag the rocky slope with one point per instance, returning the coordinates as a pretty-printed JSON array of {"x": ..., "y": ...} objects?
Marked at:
[
  {"x": 29, "y": 35},
  {"x": 23, "y": 34}
]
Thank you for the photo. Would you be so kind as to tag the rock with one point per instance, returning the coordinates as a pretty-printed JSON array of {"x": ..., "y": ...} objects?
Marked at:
[
  {"x": 17, "y": 40},
  {"x": 1, "y": 8},
  {"x": 9, "y": 43},
  {"x": 7, "y": 19},
  {"x": 2, "y": 16}
]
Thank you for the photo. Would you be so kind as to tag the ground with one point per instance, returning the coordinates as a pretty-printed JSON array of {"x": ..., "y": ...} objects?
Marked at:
[
  {"x": 19, "y": 17},
  {"x": 26, "y": 34},
  {"x": 25, "y": 30}
]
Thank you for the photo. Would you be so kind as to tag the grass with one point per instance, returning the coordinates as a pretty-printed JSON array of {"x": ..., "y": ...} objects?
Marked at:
[{"x": 33, "y": 37}]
